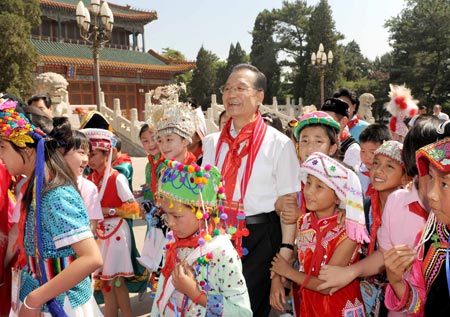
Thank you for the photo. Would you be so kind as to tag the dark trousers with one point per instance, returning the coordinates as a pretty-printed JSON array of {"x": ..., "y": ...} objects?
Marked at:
[{"x": 263, "y": 243}]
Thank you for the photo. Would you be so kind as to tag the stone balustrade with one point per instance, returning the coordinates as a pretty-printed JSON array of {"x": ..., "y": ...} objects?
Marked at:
[{"x": 130, "y": 127}]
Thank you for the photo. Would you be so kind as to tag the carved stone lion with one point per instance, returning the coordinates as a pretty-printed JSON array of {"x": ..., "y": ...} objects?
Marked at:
[
  {"x": 54, "y": 85},
  {"x": 365, "y": 107}
]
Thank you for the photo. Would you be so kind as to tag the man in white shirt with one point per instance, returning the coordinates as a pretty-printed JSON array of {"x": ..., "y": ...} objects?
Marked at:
[
  {"x": 437, "y": 111},
  {"x": 259, "y": 165}
]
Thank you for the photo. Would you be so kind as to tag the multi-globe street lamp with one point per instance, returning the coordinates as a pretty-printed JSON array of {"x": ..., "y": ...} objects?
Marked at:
[
  {"x": 320, "y": 61},
  {"x": 96, "y": 33}
]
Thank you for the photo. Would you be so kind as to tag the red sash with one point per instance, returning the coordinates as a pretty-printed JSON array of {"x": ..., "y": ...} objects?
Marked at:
[
  {"x": 353, "y": 122},
  {"x": 253, "y": 135}
]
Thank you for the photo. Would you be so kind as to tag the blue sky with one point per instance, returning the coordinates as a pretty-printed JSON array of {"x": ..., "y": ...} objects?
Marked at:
[{"x": 185, "y": 25}]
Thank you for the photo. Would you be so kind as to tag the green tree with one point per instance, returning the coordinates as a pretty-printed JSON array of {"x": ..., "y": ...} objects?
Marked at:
[
  {"x": 291, "y": 26},
  {"x": 18, "y": 57},
  {"x": 321, "y": 29},
  {"x": 264, "y": 53},
  {"x": 173, "y": 54},
  {"x": 177, "y": 56},
  {"x": 203, "y": 80},
  {"x": 236, "y": 55},
  {"x": 420, "y": 38}
]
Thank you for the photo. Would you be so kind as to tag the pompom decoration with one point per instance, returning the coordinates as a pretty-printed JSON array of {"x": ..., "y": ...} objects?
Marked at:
[{"x": 401, "y": 106}]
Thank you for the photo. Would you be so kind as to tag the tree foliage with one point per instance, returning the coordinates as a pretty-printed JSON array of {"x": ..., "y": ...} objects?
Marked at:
[
  {"x": 173, "y": 54},
  {"x": 203, "y": 82},
  {"x": 420, "y": 37},
  {"x": 18, "y": 57},
  {"x": 264, "y": 53},
  {"x": 322, "y": 29}
]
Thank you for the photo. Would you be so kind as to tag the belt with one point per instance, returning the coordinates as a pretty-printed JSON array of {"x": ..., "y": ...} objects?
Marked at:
[{"x": 268, "y": 217}]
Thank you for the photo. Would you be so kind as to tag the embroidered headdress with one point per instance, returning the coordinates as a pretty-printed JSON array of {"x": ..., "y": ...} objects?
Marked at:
[
  {"x": 193, "y": 185},
  {"x": 101, "y": 140},
  {"x": 391, "y": 149},
  {"x": 178, "y": 117},
  {"x": 16, "y": 126},
  {"x": 316, "y": 117},
  {"x": 347, "y": 187},
  {"x": 401, "y": 106}
]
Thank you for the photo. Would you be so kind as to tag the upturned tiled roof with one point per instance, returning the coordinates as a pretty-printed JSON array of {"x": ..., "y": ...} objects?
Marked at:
[
  {"x": 119, "y": 12},
  {"x": 81, "y": 55}
]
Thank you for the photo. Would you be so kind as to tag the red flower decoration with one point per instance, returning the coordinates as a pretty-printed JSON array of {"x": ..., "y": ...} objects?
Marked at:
[{"x": 393, "y": 123}]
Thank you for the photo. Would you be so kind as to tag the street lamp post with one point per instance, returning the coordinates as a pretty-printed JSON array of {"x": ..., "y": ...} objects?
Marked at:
[
  {"x": 320, "y": 61},
  {"x": 97, "y": 33}
]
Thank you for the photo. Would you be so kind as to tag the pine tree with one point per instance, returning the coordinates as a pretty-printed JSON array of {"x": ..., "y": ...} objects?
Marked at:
[
  {"x": 203, "y": 80},
  {"x": 420, "y": 37},
  {"x": 18, "y": 57},
  {"x": 264, "y": 53},
  {"x": 321, "y": 29}
]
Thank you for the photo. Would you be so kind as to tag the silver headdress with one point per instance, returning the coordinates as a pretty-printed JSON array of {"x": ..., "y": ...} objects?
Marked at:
[{"x": 177, "y": 117}]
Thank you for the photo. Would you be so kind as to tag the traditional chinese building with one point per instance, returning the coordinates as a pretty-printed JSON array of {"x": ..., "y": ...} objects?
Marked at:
[{"x": 127, "y": 71}]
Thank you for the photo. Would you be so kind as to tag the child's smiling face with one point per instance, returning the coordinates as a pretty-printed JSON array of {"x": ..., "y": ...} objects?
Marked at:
[{"x": 386, "y": 173}]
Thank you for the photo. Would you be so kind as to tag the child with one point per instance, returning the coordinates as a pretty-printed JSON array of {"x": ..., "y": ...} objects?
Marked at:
[
  {"x": 76, "y": 152},
  {"x": 398, "y": 211},
  {"x": 317, "y": 132},
  {"x": 175, "y": 129},
  {"x": 202, "y": 273},
  {"x": 370, "y": 140},
  {"x": 427, "y": 289},
  {"x": 114, "y": 237},
  {"x": 54, "y": 234},
  {"x": 320, "y": 240}
]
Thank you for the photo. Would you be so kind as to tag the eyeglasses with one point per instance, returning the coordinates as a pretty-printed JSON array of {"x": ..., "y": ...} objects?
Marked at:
[{"x": 238, "y": 90}]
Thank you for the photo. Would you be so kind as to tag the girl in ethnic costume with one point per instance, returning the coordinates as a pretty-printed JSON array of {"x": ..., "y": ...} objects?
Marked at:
[
  {"x": 328, "y": 186},
  {"x": 151, "y": 253},
  {"x": 75, "y": 152},
  {"x": 315, "y": 132},
  {"x": 113, "y": 233},
  {"x": 175, "y": 129},
  {"x": 426, "y": 291},
  {"x": 54, "y": 234},
  {"x": 202, "y": 273}
]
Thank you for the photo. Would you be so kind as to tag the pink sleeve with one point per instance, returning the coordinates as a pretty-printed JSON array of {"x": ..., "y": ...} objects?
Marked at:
[
  {"x": 413, "y": 300},
  {"x": 384, "y": 233}
]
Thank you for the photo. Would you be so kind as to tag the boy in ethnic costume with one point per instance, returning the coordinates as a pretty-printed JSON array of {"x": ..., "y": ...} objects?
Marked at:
[{"x": 202, "y": 273}]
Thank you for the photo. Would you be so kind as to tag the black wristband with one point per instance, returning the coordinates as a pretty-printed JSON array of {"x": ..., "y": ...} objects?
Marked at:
[{"x": 287, "y": 246}]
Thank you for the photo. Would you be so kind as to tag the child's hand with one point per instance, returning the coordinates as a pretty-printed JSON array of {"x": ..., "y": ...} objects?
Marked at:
[
  {"x": 277, "y": 295},
  {"x": 397, "y": 261},
  {"x": 281, "y": 266},
  {"x": 287, "y": 207},
  {"x": 335, "y": 277},
  {"x": 184, "y": 281}
]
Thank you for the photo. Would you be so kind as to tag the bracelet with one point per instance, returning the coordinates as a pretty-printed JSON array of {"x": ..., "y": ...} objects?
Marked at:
[
  {"x": 197, "y": 299},
  {"x": 29, "y": 307},
  {"x": 287, "y": 246}
]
